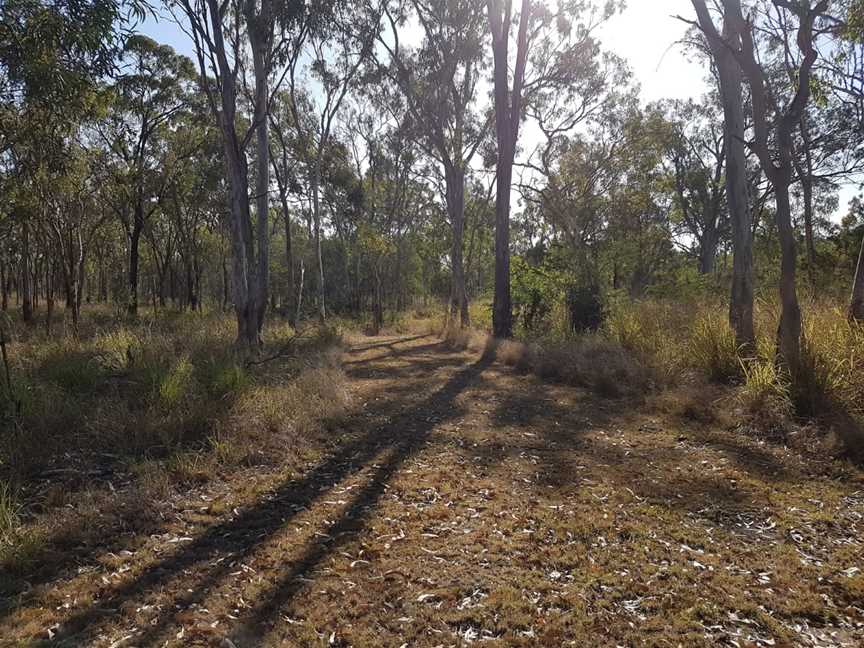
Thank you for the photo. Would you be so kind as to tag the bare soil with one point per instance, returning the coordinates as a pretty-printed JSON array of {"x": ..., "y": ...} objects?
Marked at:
[{"x": 461, "y": 502}]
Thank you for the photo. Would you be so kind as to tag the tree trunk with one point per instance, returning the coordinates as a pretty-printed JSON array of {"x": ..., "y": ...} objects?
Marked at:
[
  {"x": 708, "y": 248},
  {"x": 49, "y": 296},
  {"x": 806, "y": 177},
  {"x": 26, "y": 280},
  {"x": 289, "y": 258},
  {"x": 741, "y": 297},
  {"x": 261, "y": 274},
  {"x": 225, "y": 284},
  {"x": 377, "y": 305},
  {"x": 300, "y": 293},
  {"x": 455, "y": 193},
  {"x": 134, "y": 241},
  {"x": 856, "y": 302},
  {"x": 508, "y": 113},
  {"x": 4, "y": 288},
  {"x": 316, "y": 216},
  {"x": 789, "y": 331}
]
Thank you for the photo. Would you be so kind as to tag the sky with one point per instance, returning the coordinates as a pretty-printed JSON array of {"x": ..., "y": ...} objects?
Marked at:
[{"x": 647, "y": 34}]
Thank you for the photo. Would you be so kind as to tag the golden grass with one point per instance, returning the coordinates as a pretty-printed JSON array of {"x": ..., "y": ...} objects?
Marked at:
[
  {"x": 164, "y": 400},
  {"x": 652, "y": 346}
]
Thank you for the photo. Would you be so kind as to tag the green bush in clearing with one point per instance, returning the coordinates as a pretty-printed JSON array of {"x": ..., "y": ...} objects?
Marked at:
[{"x": 222, "y": 376}]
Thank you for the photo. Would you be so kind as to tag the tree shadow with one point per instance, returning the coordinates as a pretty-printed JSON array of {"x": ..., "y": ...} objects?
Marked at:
[
  {"x": 122, "y": 519},
  {"x": 239, "y": 537},
  {"x": 390, "y": 344}
]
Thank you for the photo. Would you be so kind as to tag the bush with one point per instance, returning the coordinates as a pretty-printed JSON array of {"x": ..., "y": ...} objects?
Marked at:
[
  {"x": 712, "y": 348},
  {"x": 176, "y": 385},
  {"x": 585, "y": 307},
  {"x": 9, "y": 512},
  {"x": 765, "y": 396}
]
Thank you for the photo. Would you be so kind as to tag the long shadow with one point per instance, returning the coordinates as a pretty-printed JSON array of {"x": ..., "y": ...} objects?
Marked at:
[
  {"x": 397, "y": 353},
  {"x": 70, "y": 547},
  {"x": 389, "y": 344},
  {"x": 239, "y": 537},
  {"x": 356, "y": 516}
]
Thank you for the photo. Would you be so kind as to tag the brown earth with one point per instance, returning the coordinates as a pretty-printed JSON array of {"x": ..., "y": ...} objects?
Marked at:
[{"x": 461, "y": 502}]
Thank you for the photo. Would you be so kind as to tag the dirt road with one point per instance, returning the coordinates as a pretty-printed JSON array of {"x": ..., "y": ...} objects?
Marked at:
[{"x": 464, "y": 503}]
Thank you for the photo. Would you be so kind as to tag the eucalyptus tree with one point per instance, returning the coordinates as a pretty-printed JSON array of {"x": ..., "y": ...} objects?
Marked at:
[
  {"x": 286, "y": 160},
  {"x": 730, "y": 80},
  {"x": 551, "y": 44},
  {"x": 72, "y": 219},
  {"x": 775, "y": 119},
  {"x": 52, "y": 52},
  {"x": 438, "y": 81},
  {"x": 52, "y": 55},
  {"x": 224, "y": 35},
  {"x": 194, "y": 204},
  {"x": 147, "y": 101},
  {"x": 695, "y": 153},
  {"x": 387, "y": 159},
  {"x": 325, "y": 63}
]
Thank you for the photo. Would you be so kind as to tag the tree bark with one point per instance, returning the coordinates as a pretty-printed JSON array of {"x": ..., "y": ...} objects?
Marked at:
[
  {"x": 455, "y": 188},
  {"x": 778, "y": 163},
  {"x": 730, "y": 81},
  {"x": 4, "y": 288},
  {"x": 289, "y": 258},
  {"x": 316, "y": 217},
  {"x": 134, "y": 245},
  {"x": 789, "y": 330},
  {"x": 26, "y": 280},
  {"x": 805, "y": 176},
  {"x": 508, "y": 113}
]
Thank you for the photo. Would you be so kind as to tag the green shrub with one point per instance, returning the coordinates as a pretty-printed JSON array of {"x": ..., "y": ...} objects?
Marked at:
[
  {"x": 585, "y": 307},
  {"x": 222, "y": 376},
  {"x": 712, "y": 348}
]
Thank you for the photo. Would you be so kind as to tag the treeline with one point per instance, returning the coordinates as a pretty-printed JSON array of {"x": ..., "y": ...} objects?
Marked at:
[{"x": 362, "y": 157}]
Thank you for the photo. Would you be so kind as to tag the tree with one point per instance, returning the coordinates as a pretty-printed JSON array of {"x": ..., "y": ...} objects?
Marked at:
[
  {"x": 439, "y": 84},
  {"x": 730, "y": 81},
  {"x": 774, "y": 146},
  {"x": 337, "y": 52},
  {"x": 558, "y": 47},
  {"x": 696, "y": 154},
  {"x": 215, "y": 28},
  {"x": 148, "y": 99}
]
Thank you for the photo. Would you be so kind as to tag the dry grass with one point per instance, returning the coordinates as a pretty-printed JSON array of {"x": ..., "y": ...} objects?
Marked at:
[
  {"x": 485, "y": 506},
  {"x": 591, "y": 361},
  {"x": 654, "y": 347},
  {"x": 161, "y": 405}
]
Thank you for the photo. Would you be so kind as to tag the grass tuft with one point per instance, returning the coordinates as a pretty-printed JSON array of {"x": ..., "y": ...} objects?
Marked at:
[{"x": 712, "y": 348}]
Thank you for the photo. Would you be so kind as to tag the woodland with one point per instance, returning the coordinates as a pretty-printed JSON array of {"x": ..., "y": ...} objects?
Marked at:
[{"x": 412, "y": 323}]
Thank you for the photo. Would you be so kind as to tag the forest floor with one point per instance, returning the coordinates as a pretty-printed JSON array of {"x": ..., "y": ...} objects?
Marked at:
[{"x": 462, "y": 502}]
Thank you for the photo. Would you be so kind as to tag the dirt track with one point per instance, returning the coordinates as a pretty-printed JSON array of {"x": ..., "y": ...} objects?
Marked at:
[{"x": 465, "y": 503}]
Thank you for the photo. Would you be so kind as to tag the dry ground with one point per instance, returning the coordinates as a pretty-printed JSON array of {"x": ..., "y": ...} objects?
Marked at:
[{"x": 462, "y": 502}]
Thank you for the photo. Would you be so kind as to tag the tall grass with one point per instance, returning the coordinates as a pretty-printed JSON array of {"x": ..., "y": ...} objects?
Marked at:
[
  {"x": 155, "y": 388},
  {"x": 676, "y": 344}
]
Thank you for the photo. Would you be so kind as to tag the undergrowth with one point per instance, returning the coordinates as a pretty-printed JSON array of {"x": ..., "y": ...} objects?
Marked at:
[
  {"x": 647, "y": 347},
  {"x": 167, "y": 400}
]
